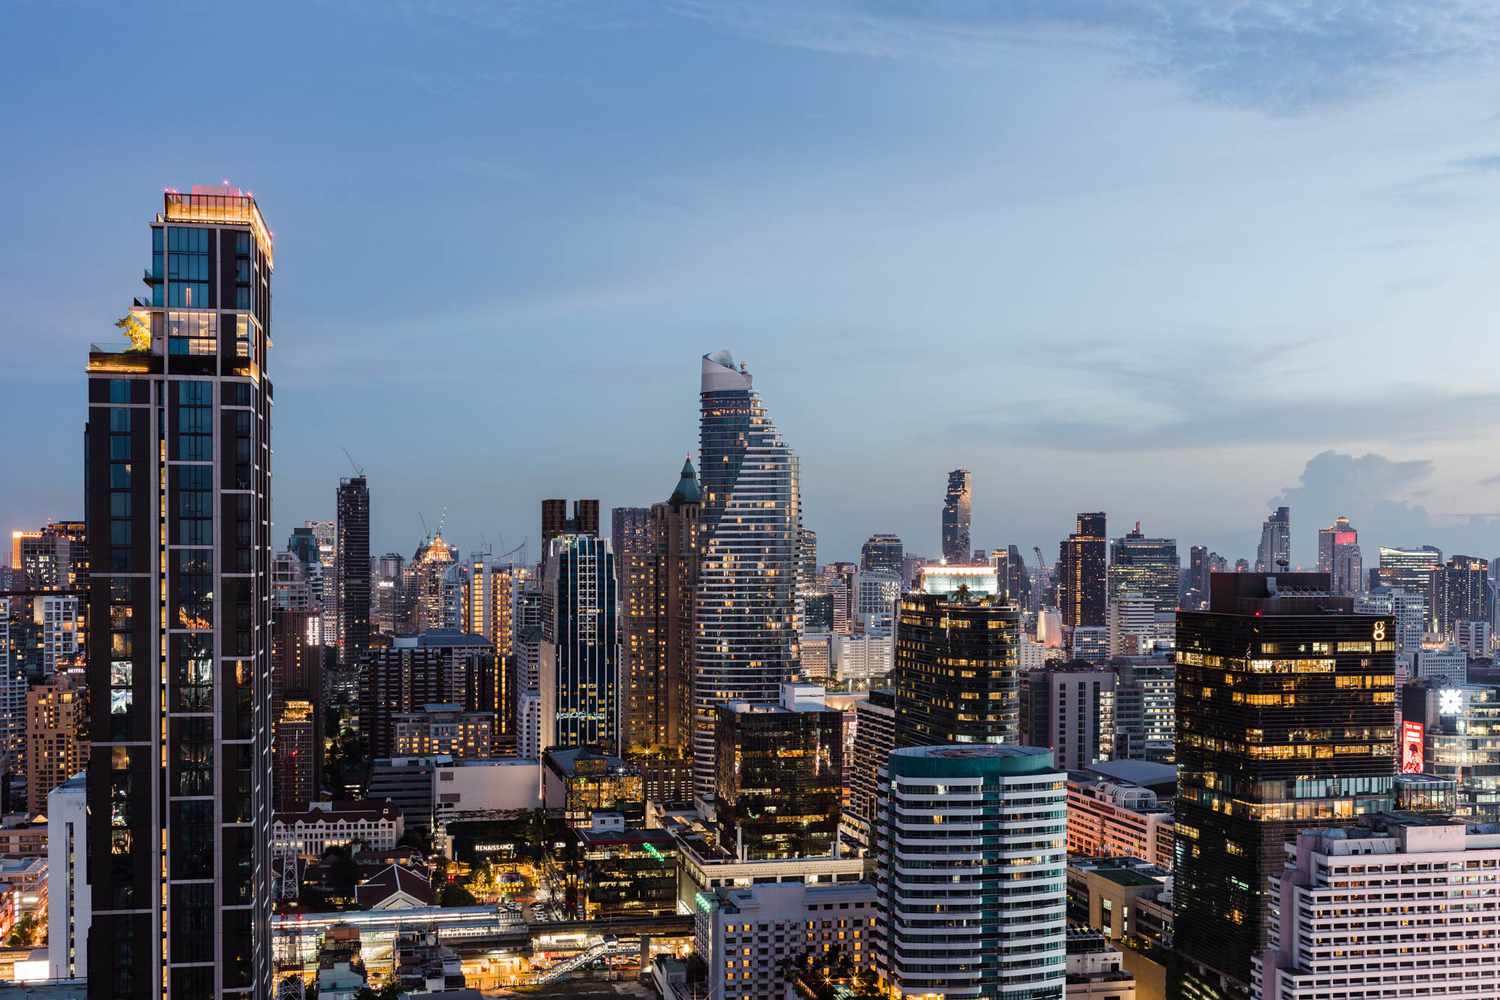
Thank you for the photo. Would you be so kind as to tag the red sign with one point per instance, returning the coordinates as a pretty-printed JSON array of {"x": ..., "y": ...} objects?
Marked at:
[{"x": 1411, "y": 747}]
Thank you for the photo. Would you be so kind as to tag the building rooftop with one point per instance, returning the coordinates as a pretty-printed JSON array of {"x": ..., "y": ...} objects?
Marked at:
[
  {"x": 438, "y": 638},
  {"x": 1146, "y": 773},
  {"x": 1126, "y": 876},
  {"x": 970, "y": 759}
]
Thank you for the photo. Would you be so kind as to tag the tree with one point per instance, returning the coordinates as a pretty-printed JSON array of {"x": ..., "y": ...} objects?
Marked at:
[
  {"x": 343, "y": 873},
  {"x": 456, "y": 895},
  {"x": 22, "y": 932}
]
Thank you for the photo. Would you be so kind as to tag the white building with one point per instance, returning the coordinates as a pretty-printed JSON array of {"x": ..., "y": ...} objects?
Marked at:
[
  {"x": 1444, "y": 665},
  {"x": 972, "y": 850},
  {"x": 1132, "y": 624},
  {"x": 69, "y": 899},
  {"x": 485, "y": 789},
  {"x": 817, "y": 654},
  {"x": 1411, "y": 909},
  {"x": 1110, "y": 819},
  {"x": 1408, "y": 607},
  {"x": 877, "y": 592},
  {"x": 1472, "y": 637},
  {"x": 748, "y": 936},
  {"x": 374, "y": 826},
  {"x": 57, "y": 616},
  {"x": 1096, "y": 969},
  {"x": 864, "y": 660}
]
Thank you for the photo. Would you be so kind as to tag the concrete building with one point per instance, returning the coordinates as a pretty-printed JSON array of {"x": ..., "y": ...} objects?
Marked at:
[
  {"x": 1132, "y": 624},
  {"x": 407, "y": 783},
  {"x": 447, "y": 730},
  {"x": 874, "y": 739},
  {"x": 1274, "y": 554},
  {"x": 863, "y": 660},
  {"x": 1117, "y": 819},
  {"x": 485, "y": 788},
  {"x": 1406, "y": 906},
  {"x": 1069, "y": 709},
  {"x": 69, "y": 902},
  {"x": 368, "y": 824},
  {"x": 1128, "y": 900},
  {"x": 1096, "y": 969},
  {"x": 1145, "y": 709},
  {"x": 57, "y": 745},
  {"x": 971, "y": 850}
]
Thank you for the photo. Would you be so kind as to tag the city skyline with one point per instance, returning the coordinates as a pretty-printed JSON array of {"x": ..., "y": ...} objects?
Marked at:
[{"x": 538, "y": 267}]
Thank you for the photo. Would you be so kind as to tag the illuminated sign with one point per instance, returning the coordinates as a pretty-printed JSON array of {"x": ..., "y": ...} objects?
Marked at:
[
  {"x": 1450, "y": 701},
  {"x": 1412, "y": 739},
  {"x": 1379, "y": 631}
]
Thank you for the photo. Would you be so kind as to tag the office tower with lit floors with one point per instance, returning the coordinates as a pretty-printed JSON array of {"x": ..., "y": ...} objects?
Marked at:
[
  {"x": 1285, "y": 720},
  {"x": 1274, "y": 553},
  {"x": 958, "y": 505},
  {"x": 579, "y": 682},
  {"x": 1338, "y": 556},
  {"x": 352, "y": 571},
  {"x": 1082, "y": 580},
  {"x": 177, "y": 496},
  {"x": 746, "y": 607},
  {"x": 882, "y": 553}
]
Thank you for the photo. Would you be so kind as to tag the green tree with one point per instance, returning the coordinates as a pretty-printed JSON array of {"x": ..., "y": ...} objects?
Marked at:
[
  {"x": 456, "y": 895},
  {"x": 22, "y": 932}
]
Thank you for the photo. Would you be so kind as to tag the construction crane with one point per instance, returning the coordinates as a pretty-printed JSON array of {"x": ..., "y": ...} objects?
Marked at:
[
  {"x": 502, "y": 557},
  {"x": 358, "y": 469},
  {"x": 1041, "y": 562}
]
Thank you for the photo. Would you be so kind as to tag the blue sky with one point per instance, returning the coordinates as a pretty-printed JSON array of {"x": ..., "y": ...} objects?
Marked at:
[{"x": 1170, "y": 260}]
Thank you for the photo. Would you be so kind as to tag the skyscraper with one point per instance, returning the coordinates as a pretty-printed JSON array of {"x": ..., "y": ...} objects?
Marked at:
[
  {"x": 807, "y": 562},
  {"x": 1082, "y": 574},
  {"x": 296, "y": 712},
  {"x": 746, "y": 605},
  {"x": 1014, "y": 580},
  {"x": 1338, "y": 556},
  {"x": 555, "y": 519},
  {"x": 989, "y": 826},
  {"x": 1458, "y": 591},
  {"x": 177, "y": 483},
  {"x": 1070, "y": 710},
  {"x": 957, "y": 669},
  {"x": 1148, "y": 566},
  {"x": 352, "y": 570},
  {"x": 1274, "y": 553},
  {"x": 957, "y": 510},
  {"x": 579, "y": 681},
  {"x": 630, "y": 537},
  {"x": 1285, "y": 715},
  {"x": 883, "y": 553}
]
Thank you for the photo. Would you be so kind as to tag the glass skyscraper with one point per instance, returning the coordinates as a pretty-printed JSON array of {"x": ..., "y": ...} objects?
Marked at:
[
  {"x": 177, "y": 500},
  {"x": 580, "y": 678},
  {"x": 747, "y": 618}
]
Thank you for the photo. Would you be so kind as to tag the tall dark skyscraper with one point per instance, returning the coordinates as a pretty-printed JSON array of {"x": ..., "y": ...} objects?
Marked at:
[
  {"x": 1275, "y": 550},
  {"x": 957, "y": 509},
  {"x": 1148, "y": 566},
  {"x": 1458, "y": 591},
  {"x": 882, "y": 553},
  {"x": 635, "y": 565},
  {"x": 1285, "y": 720},
  {"x": 580, "y": 652},
  {"x": 1081, "y": 574},
  {"x": 1011, "y": 574},
  {"x": 957, "y": 670},
  {"x": 178, "y": 507},
  {"x": 555, "y": 519},
  {"x": 746, "y": 606},
  {"x": 352, "y": 570}
]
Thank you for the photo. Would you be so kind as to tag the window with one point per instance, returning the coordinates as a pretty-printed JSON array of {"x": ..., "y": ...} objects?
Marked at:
[
  {"x": 187, "y": 267},
  {"x": 192, "y": 673},
  {"x": 192, "y": 756},
  {"x": 193, "y": 505},
  {"x": 192, "y": 333},
  {"x": 192, "y": 428},
  {"x": 192, "y": 589}
]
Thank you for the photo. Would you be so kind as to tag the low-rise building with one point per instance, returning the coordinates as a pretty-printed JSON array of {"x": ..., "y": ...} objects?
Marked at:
[
  {"x": 1113, "y": 818},
  {"x": 1126, "y": 899},
  {"x": 627, "y": 873},
  {"x": 748, "y": 937},
  {"x": 1096, "y": 969},
  {"x": 407, "y": 783},
  {"x": 23, "y": 835},
  {"x": 493, "y": 788},
  {"x": 369, "y": 824},
  {"x": 578, "y": 782},
  {"x": 444, "y": 729}
]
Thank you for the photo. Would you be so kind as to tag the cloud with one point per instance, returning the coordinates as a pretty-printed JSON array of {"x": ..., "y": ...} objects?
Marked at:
[
  {"x": 1490, "y": 480},
  {"x": 1274, "y": 55},
  {"x": 1377, "y": 494},
  {"x": 1479, "y": 164}
]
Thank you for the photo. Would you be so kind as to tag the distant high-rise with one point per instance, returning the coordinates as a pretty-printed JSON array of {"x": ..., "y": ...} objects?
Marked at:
[
  {"x": 555, "y": 519},
  {"x": 579, "y": 681},
  {"x": 1458, "y": 591},
  {"x": 57, "y": 742},
  {"x": 1013, "y": 578},
  {"x": 1338, "y": 556},
  {"x": 1285, "y": 720},
  {"x": 658, "y": 604},
  {"x": 957, "y": 510},
  {"x": 352, "y": 570},
  {"x": 178, "y": 488},
  {"x": 635, "y": 564},
  {"x": 883, "y": 553},
  {"x": 440, "y": 667},
  {"x": 746, "y": 606},
  {"x": 1148, "y": 566},
  {"x": 1082, "y": 574},
  {"x": 956, "y": 674},
  {"x": 296, "y": 711},
  {"x": 1070, "y": 710},
  {"x": 874, "y": 739},
  {"x": 1274, "y": 554},
  {"x": 428, "y": 585},
  {"x": 1410, "y": 569},
  {"x": 807, "y": 562},
  {"x": 388, "y": 594}
]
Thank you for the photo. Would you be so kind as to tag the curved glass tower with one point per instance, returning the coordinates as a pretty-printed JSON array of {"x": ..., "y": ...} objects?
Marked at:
[{"x": 746, "y": 607}]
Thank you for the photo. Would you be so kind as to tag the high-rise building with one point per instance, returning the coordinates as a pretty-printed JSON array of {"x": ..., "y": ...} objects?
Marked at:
[
  {"x": 580, "y": 652},
  {"x": 352, "y": 570},
  {"x": 1147, "y": 566},
  {"x": 57, "y": 743},
  {"x": 555, "y": 519},
  {"x": 1410, "y": 569},
  {"x": 957, "y": 669},
  {"x": 1338, "y": 556},
  {"x": 1145, "y": 709},
  {"x": 1082, "y": 576},
  {"x": 1356, "y": 924},
  {"x": 1286, "y": 718},
  {"x": 747, "y": 611},
  {"x": 874, "y": 739},
  {"x": 178, "y": 510},
  {"x": 325, "y": 546},
  {"x": 296, "y": 711},
  {"x": 780, "y": 780},
  {"x": 1132, "y": 624},
  {"x": 1274, "y": 553},
  {"x": 882, "y": 553},
  {"x": 1455, "y": 728},
  {"x": 1070, "y": 710},
  {"x": 635, "y": 566},
  {"x": 1012, "y": 576},
  {"x": 388, "y": 611},
  {"x": 993, "y": 921},
  {"x": 441, "y": 667},
  {"x": 807, "y": 562},
  {"x": 1458, "y": 591},
  {"x": 958, "y": 504},
  {"x": 1197, "y": 578},
  {"x": 429, "y": 586},
  {"x": 659, "y": 674}
]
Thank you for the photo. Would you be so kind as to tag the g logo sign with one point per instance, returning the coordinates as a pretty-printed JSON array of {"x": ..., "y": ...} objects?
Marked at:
[{"x": 1380, "y": 631}]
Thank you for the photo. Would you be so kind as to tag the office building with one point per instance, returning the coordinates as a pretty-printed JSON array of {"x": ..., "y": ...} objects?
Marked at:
[
  {"x": 1404, "y": 906},
  {"x": 807, "y": 562},
  {"x": 408, "y": 783},
  {"x": 1274, "y": 554},
  {"x": 956, "y": 675},
  {"x": 1145, "y": 566},
  {"x": 179, "y": 422},
  {"x": 1127, "y": 899},
  {"x": 437, "y": 667},
  {"x": 296, "y": 711},
  {"x": 989, "y": 918},
  {"x": 882, "y": 554},
  {"x": 1338, "y": 556},
  {"x": 747, "y": 609},
  {"x": 579, "y": 683},
  {"x": 1109, "y": 817},
  {"x": 69, "y": 906},
  {"x": 1132, "y": 624},
  {"x": 1458, "y": 591},
  {"x": 1145, "y": 709},
  {"x": 1410, "y": 569},
  {"x": 858, "y": 661},
  {"x": 780, "y": 776},
  {"x": 1451, "y": 729},
  {"x": 751, "y": 937},
  {"x": 1472, "y": 637},
  {"x": 446, "y": 730},
  {"x": 1081, "y": 574},
  {"x": 874, "y": 739},
  {"x": 578, "y": 782},
  {"x": 1012, "y": 576},
  {"x": 627, "y": 873},
  {"x": 1070, "y": 709},
  {"x": 352, "y": 570},
  {"x": 555, "y": 519},
  {"x": 388, "y": 611},
  {"x": 958, "y": 504},
  {"x": 1409, "y": 608},
  {"x": 429, "y": 586},
  {"x": 1285, "y": 714}
]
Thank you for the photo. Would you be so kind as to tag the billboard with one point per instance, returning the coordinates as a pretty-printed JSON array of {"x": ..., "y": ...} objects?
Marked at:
[{"x": 1412, "y": 738}]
